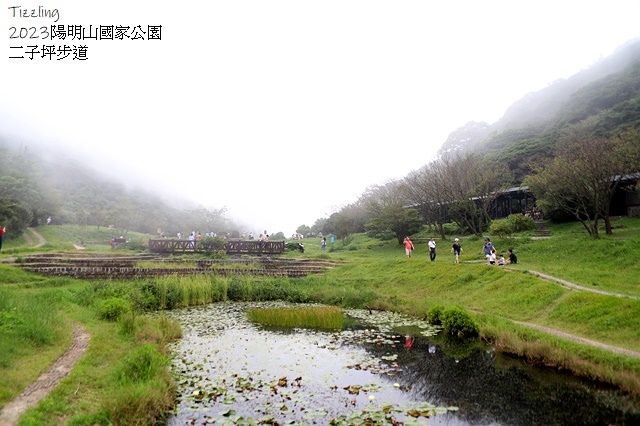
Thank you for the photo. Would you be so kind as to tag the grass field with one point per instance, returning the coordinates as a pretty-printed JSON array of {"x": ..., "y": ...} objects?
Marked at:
[{"x": 37, "y": 313}]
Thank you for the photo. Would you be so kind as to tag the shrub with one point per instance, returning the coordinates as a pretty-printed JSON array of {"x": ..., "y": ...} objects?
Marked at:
[
  {"x": 113, "y": 308},
  {"x": 521, "y": 222},
  {"x": 212, "y": 245},
  {"x": 434, "y": 315},
  {"x": 503, "y": 228},
  {"x": 291, "y": 246},
  {"x": 457, "y": 322},
  {"x": 137, "y": 245}
]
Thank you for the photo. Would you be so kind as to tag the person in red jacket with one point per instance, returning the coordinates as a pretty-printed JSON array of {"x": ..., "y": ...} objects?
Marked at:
[
  {"x": 408, "y": 247},
  {"x": 2, "y": 231}
]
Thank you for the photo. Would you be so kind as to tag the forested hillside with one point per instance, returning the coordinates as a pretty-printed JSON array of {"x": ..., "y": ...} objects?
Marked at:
[
  {"x": 601, "y": 101},
  {"x": 574, "y": 144},
  {"x": 33, "y": 189}
]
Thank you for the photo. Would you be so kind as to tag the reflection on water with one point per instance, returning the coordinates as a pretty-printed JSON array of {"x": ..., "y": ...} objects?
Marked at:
[{"x": 228, "y": 368}]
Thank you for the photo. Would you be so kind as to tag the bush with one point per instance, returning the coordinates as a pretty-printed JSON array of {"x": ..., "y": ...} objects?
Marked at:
[
  {"x": 503, "y": 228},
  {"x": 513, "y": 223},
  {"x": 434, "y": 315},
  {"x": 112, "y": 309},
  {"x": 212, "y": 245},
  {"x": 521, "y": 222},
  {"x": 457, "y": 322},
  {"x": 137, "y": 245},
  {"x": 291, "y": 246}
]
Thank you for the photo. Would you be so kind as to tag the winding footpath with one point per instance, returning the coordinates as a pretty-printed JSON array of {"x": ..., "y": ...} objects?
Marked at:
[
  {"x": 39, "y": 389},
  {"x": 12, "y": 411},
  {"x": 40, "y": 238},
  {"x": 579, "y": 287}
]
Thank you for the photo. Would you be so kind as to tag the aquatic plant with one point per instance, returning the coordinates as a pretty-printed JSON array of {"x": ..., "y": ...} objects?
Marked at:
[{"x": 320, "y": 317}]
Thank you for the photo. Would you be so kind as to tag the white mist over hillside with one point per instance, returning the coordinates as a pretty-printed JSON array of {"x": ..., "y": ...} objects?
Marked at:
[{"x": 282, "y": 111}]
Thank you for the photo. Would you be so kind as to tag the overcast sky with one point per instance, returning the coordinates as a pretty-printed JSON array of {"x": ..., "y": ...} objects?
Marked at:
[{"x": 283, "y": 111}]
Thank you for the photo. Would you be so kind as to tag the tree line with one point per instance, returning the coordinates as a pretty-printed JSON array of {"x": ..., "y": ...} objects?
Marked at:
[{"x": 577, "y": 182}]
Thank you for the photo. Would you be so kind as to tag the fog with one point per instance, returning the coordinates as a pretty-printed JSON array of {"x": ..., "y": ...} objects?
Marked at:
[{"x": 283, "y": 111}]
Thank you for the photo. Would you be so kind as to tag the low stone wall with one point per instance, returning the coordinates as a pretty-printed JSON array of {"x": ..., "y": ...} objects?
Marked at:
[
  {"x": 132, "y": 273},
  {"x": 124, "y": 267}
]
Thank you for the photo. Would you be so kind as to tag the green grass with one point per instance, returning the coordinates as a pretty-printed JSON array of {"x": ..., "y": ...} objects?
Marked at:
[
  {"x": 370, "y": 273},
  {"x": 120, "y": 380}
]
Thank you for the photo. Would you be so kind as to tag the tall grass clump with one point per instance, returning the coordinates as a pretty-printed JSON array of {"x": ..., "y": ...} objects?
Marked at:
[
  {"x": 144, "y": 392},
  {"x": 174, "y": 292},
  {"x": 32, "y": 317},
  {"x": 320, "y": 317},
  {"x": 141, "y": 365},
  {"x": 239, "y": 288}
]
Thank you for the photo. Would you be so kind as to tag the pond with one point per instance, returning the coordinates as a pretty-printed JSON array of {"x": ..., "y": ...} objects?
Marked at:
[{"x": 383, "y": 367}]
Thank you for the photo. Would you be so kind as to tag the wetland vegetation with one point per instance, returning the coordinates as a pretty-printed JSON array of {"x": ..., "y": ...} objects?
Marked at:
[{"x": 124, "y": 372}]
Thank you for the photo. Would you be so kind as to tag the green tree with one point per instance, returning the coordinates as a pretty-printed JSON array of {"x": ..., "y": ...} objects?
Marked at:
[
  {"x": 387, "y": 206},
  {"x": 471, "y": 183},
  {"x": 427, "y": 190},
  {"x": 209, "y": 220},
  {"x": 320, "y": 226},
  {"x": 304, "y": 230},
  {"x": 584, "y": 175}
]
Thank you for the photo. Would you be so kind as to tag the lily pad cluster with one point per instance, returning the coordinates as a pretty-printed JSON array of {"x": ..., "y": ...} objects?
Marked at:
[{"x": 230, "y": 371}]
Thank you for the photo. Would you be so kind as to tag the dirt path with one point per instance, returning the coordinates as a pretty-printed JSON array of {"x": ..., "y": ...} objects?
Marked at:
[
  {"x": 579, "y": 287},
  {"x": 36, "y": 234},
  {"x": 568, "y": 336},
  {"x": 47, "y": 381},
  {"x": 41, "y": 240}
]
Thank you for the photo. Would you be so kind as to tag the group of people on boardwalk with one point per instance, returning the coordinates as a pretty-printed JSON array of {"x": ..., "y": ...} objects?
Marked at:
[{"x": 488, "y": 249}]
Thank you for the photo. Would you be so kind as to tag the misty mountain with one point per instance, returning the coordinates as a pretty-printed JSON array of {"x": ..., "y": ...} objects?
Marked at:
[
  {"x": 600, "y": 100},
  {"x": 36, "y": 185},
  {"x": 603, "y": 99}
]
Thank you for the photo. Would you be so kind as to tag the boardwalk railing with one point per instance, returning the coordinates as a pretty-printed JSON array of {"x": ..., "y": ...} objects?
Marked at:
[{"x": 232, "y": 247}]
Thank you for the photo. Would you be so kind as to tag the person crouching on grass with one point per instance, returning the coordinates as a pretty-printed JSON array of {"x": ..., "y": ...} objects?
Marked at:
[{"x": 408, "y": 247}]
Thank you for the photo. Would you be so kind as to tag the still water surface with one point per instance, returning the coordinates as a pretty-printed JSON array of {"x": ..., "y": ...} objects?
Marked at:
[{"x": 231, "y": 371}]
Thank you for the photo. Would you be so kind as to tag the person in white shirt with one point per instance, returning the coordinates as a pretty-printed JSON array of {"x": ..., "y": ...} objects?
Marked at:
[{"x": 432, "y": 249}]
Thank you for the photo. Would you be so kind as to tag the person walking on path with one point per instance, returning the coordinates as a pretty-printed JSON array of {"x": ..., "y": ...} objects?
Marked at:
[
  {"x": 456, "y": 249},
  {"x": 408, "y": 247},
  {"x": 488, "y": 246},
  {"x": 432, "y": 249},
  {"x": 2, "y": 231}
]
